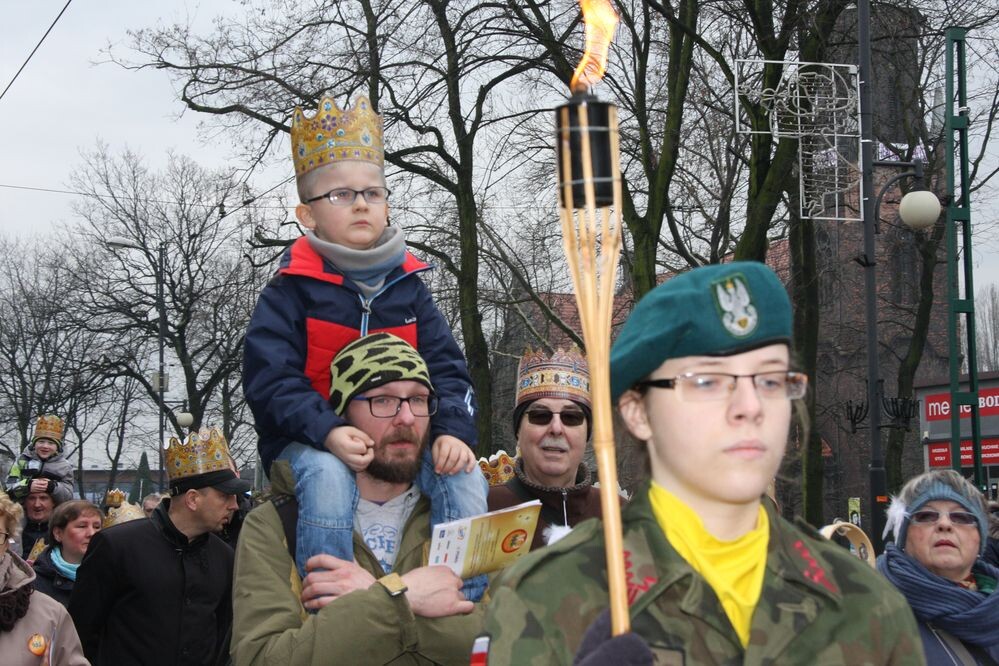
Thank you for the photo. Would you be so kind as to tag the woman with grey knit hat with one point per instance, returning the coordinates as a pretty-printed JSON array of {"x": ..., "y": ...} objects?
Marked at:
[{"x": 940, "y": 524}]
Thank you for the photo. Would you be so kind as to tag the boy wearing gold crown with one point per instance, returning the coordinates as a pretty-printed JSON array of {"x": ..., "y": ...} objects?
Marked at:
[
  {"x": 349, "y": 275},
  {"x": 41, "y": 467}
]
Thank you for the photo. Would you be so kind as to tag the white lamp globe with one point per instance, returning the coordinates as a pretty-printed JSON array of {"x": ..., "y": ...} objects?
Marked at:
[
  {"x": 919, "y": 209},
  {"x": 185, "y": 419}
]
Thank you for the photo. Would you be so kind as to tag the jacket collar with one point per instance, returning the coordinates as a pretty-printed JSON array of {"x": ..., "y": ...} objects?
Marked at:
[
  {"x": 797, "y": 572},
  {"x": 582, "y": 482},
  {"x": 161, "y": 519},
  {"x": 302, "y": 259}
]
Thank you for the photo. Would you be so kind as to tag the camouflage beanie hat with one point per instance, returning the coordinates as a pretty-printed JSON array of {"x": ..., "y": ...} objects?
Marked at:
[{"x": 370, "y": 362}]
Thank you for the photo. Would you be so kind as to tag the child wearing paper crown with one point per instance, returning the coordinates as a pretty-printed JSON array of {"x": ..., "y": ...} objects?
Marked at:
[
  {"x": 41, "y": 467},
  {"x": 348, "y": 276}
]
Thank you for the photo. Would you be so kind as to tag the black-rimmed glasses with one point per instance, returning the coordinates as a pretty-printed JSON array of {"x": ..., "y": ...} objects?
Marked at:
[
  {"x": 387, "y": 406},
  {"x": 705, "y": 386},
  {"x": 345, "y": 196}
]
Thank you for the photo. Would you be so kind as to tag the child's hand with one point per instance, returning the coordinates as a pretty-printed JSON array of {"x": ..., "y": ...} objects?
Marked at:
[
  {"x": 451, "y": 455},
  {"x": 352, "y": 446}
]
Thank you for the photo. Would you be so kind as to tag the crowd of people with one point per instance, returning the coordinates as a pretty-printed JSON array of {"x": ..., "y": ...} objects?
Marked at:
[{"x": 367, "y": 419}]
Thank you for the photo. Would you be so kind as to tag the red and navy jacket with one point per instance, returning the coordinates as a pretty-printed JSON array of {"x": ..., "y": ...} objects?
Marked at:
[{"x": 306, "y": 314}]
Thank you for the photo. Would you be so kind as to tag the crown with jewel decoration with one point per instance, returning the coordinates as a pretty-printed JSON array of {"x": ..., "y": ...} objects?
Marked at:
[
  {"x": 499, "y": 467},
  {"x": 115, "y": 498},
  {"x": 201, "y": 453},
  {"x": 336, "y": 135},
  {"x": 48, "y": 426},
  {"x": 564, "y": 374},
  {"x": 122, "y": 514}
]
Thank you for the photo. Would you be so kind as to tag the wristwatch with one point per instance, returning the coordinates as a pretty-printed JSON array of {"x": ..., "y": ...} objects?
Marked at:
[{"x": 393, "y": 584}]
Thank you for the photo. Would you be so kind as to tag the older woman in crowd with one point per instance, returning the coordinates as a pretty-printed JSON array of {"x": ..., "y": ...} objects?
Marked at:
[
  {"x": 940, "y": 524},
  {"x": 70, "y": 529},
  {"x": 34, "y": 628}
]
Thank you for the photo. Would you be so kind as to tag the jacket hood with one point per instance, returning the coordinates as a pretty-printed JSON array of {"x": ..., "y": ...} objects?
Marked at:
[{"x": 15, "y": 573}]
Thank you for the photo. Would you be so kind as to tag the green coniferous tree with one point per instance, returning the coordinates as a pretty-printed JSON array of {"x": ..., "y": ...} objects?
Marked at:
[{"x": 143, "y": 481}]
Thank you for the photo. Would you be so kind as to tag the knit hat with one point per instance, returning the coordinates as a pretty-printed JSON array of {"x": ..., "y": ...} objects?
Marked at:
[
  {"x": 370, "y": 362},
  {"x": 716, "y": 310},
  {"x": 935, "y": 486},
  {"x": 564, "y": 374}
]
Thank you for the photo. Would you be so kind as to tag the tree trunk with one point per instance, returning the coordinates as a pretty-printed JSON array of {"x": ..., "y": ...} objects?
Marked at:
[
  {"x": 914, "y": 354},
  {"x": 805, "y": 297}
]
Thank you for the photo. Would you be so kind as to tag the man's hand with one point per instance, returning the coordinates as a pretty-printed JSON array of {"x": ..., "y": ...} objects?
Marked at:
[
  {"x": 330, "y": 578},
  {"x": 435, "y": 592},
  {"x": 352, "y": 446},
  {"x": 451, "y": 455},
  {"x": 39, "y": 486}
]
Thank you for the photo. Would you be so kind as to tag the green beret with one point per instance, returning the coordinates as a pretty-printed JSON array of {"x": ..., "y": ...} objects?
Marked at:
[
  {"x": 370, "y": 362},
  {"x": 715, "y": 310}
]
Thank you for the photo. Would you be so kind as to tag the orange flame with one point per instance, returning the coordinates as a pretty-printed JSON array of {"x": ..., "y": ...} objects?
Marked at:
[{"x": 600, "y": 20}]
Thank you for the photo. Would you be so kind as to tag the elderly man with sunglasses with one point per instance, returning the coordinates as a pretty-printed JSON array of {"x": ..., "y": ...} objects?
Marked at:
[{"x": 551, "y": 420}]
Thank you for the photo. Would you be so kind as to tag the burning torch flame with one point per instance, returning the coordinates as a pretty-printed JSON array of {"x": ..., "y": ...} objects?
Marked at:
[{"x": 599, "y": 19}]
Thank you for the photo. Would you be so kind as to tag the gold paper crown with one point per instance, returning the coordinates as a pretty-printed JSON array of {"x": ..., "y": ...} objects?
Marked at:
[
  {"x": 48, "y": 426},
  {"x": 333, "y": 135},
  {"x": 564, "y": 374},
  {"x": 114, "y": 498},
  {"x": 122, "y": 514},
  {"x": 202, "y": 452},
  {"x": 498, "y": 468}
]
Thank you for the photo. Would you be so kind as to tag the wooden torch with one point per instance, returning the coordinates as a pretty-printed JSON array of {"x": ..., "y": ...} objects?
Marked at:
[{"x": 589, "y": 182}]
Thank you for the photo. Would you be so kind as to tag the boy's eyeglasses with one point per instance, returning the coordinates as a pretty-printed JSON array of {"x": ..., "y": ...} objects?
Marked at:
[
  {"x": 387, "y": 406},
  {"x": 931, "y": 517},
  {"x": 706, "y": 386},
  {"x": 542, "y": 417},
  {"x": 345, "y": 196}
]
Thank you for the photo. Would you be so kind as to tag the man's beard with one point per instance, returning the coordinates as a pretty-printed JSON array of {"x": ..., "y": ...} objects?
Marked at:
[{"x": 397, "y": 469}]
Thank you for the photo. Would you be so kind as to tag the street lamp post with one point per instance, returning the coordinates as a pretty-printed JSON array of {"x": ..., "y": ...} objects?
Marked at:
[{"x": 160, "y": 270}]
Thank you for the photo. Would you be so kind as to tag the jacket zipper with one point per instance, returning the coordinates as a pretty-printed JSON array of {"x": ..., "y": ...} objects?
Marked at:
[{"x": 366, "y": 302}]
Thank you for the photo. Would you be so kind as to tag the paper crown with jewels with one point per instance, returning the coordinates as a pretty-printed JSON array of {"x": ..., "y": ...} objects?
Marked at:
[
  {"x": 114, "y": 498},
  {"x": 499, "y": 467},
  {"x": 335, "y": 135},
  {"x": 122, "y": 513},
  {"x": 200, "y": 461},
  {"x": 564, "y": 374},
  {"x": 48, "y": 426}
]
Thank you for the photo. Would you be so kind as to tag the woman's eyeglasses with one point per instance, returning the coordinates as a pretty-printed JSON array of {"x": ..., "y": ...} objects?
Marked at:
[
  {"x": 931, "y": 517},
  {"x": 542, "y": 417}
]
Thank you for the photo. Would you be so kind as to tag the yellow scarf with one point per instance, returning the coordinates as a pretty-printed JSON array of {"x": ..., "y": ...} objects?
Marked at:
[{"x": 733, "y": 569}]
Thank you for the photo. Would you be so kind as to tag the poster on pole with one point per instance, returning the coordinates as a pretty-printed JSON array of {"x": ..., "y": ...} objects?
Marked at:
[{"x": 853, "y": 510}]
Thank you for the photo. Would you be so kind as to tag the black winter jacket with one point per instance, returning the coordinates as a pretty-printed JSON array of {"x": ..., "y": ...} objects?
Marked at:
[
  {"x": 144, "y": 594},
  {"x": 49, "y": 580}
]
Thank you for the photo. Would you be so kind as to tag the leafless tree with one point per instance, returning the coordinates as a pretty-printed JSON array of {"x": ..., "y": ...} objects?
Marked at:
[{"x": 209, "y": 286}]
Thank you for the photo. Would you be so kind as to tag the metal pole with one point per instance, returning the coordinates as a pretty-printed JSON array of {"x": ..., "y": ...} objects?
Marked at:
[
  {"x": 878, "y": 477},
  {"x": 161, "y": 312}
]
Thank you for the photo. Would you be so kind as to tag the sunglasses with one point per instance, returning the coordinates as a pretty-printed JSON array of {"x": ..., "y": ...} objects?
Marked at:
[
  {"x": 542, "y": 417},
  {"x": 931, "y": 517}
]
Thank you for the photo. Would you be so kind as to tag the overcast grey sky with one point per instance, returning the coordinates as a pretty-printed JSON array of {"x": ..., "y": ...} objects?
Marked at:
[{"x": 63, "y": 103}]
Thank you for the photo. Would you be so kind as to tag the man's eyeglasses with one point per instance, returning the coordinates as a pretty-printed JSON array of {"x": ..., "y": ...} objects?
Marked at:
[
  {"x": 345, "y": 196},
  {"x": 542, "y": 417},
  {"x": 932, "y": 517},
  {"x": 387, "y": 406},
  {"x": 705, "y": 386}
]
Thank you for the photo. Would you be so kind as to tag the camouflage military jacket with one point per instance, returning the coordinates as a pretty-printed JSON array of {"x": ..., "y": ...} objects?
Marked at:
[{"x": 819, "y": 604}]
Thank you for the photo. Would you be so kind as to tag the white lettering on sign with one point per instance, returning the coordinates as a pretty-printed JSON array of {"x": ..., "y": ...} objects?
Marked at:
[{"x": 937, "y": 405}]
